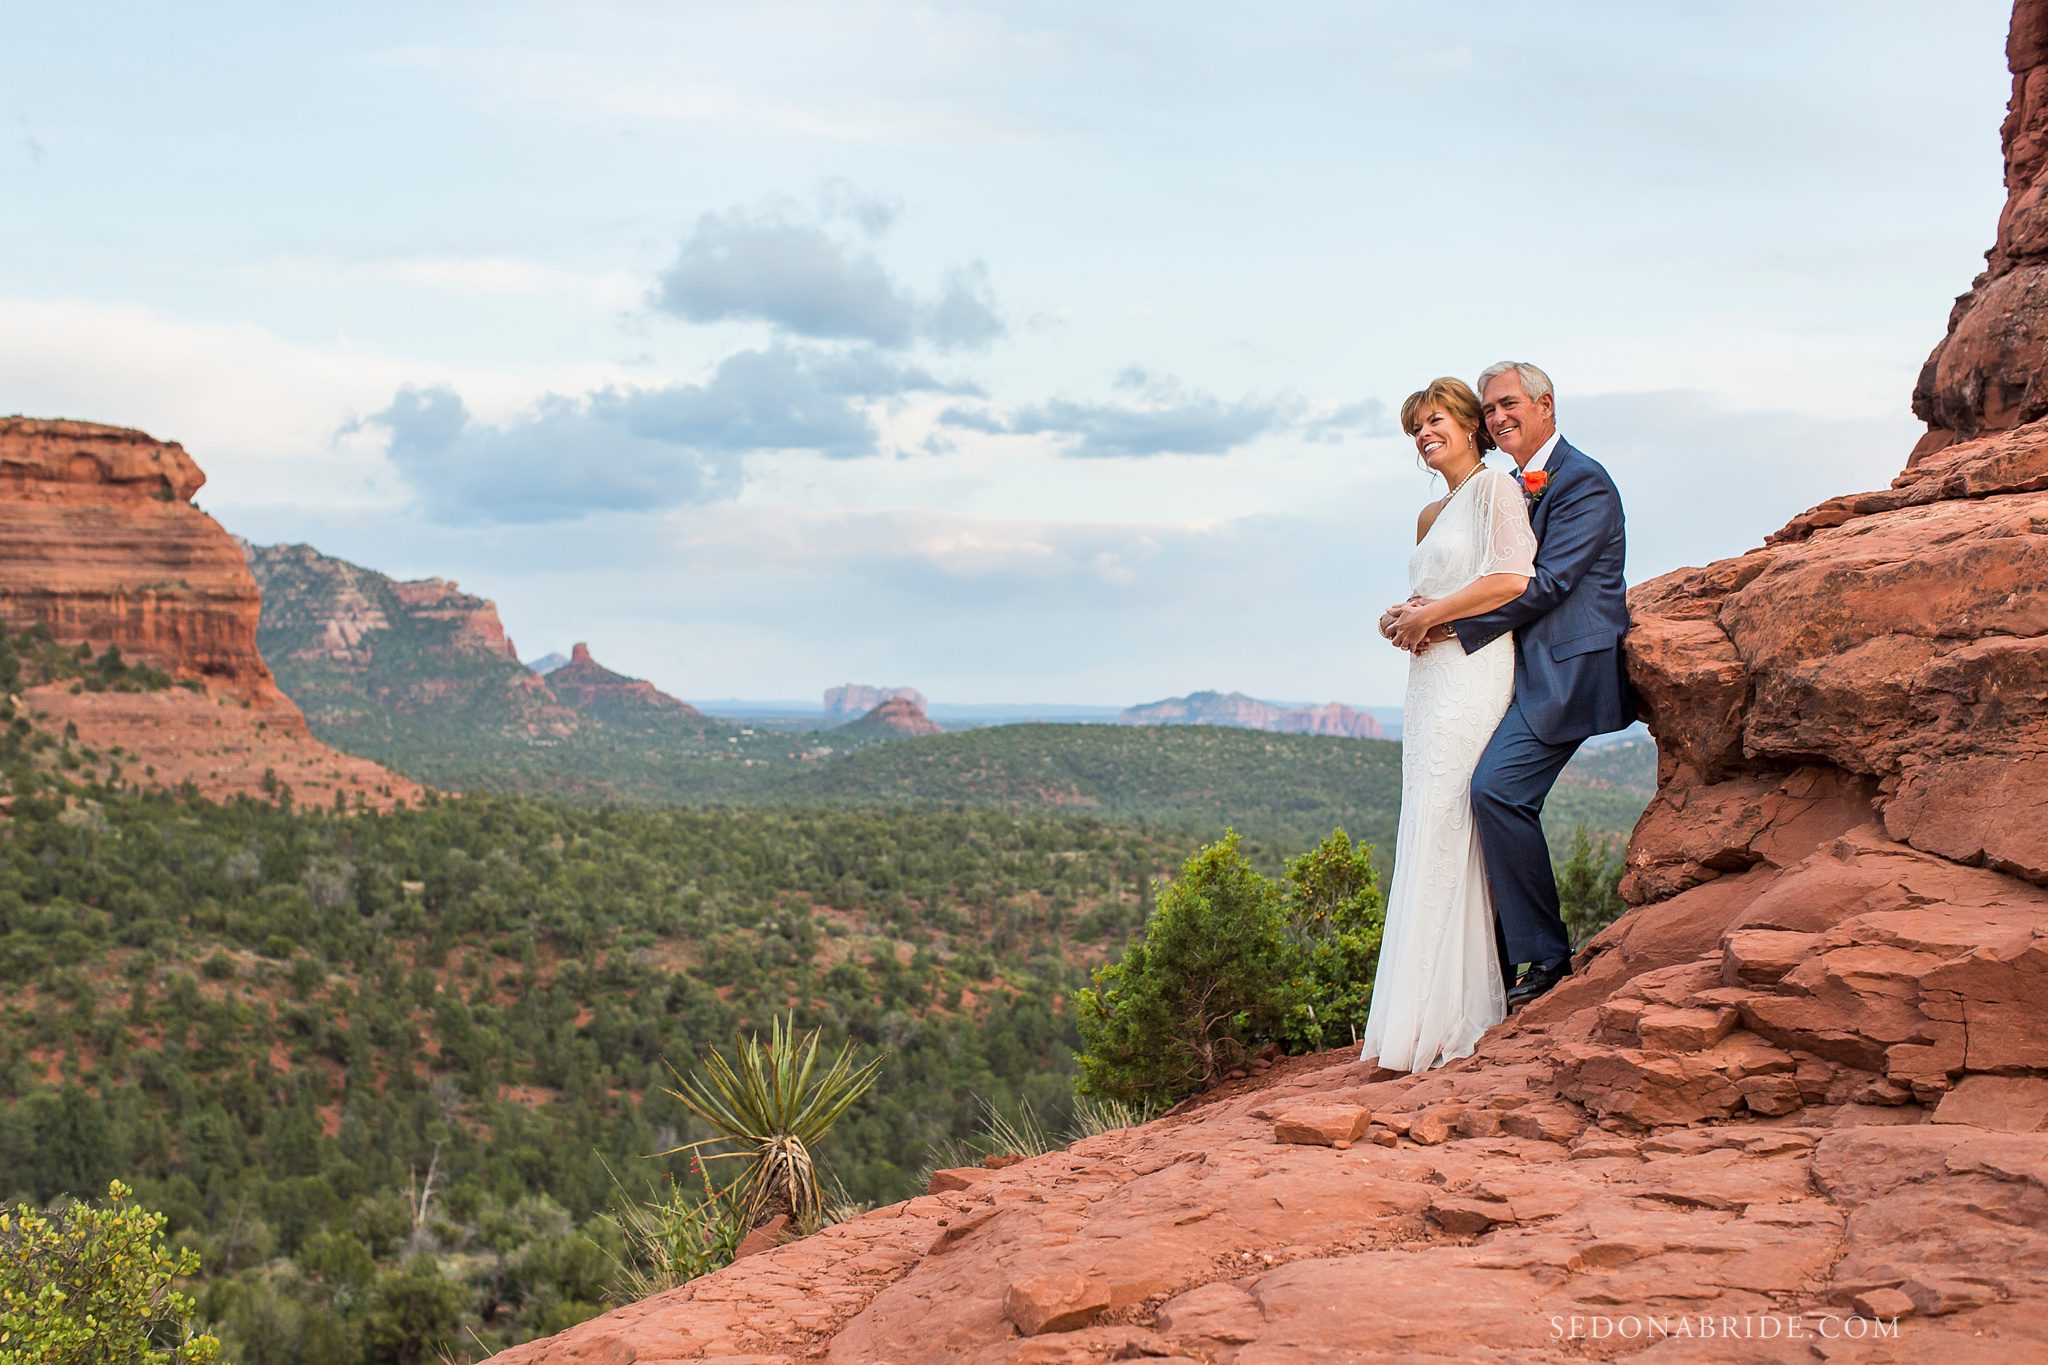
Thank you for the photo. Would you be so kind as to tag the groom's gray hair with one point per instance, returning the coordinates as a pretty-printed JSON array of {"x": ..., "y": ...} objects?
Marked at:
[{"x": 1535, "y": 383}]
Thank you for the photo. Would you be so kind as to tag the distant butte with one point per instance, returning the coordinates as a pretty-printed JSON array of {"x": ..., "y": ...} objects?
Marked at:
[
  {"x": 586, "y": 685},
  {"x": 895, "y": 718},
  {"x": 1237, "y": 710},
  {"x": 857, "y": 699}
]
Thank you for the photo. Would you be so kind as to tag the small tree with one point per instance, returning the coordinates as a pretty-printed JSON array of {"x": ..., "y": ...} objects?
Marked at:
[
  {"x": 1335, "y": 918},
  {"x": 1205, "y": 978},
  {"x": 1589, "y": 888},
  {"x": 92, "y": 1286},
  {"x": 412, "y": 1312}
]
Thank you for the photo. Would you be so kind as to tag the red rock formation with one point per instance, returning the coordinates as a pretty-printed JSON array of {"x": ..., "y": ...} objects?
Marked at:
[
  {"x": 1801, "y": 1087},
  {"x": 475, "y": 618},
  {"x": 896, "y": 718},
  {"x": 857, "y": 699},
  {"x": 1884, "y": 651},
  {"x": 587, "y": 685},
  {"x": 1991, "y": 372},
  {"x": 355, "y": 647},
  {"x": 1236, "y": 710},
  {"x": 337, "y": 607},
  {"x": 99, "y": 541}
]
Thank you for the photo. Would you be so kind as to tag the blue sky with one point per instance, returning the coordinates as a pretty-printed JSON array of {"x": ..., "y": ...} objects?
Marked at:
[{"x": 1018, "y": 353}]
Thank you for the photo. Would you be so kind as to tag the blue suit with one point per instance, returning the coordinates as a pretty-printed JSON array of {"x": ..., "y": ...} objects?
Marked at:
[{"x": 1570, "y": 683}]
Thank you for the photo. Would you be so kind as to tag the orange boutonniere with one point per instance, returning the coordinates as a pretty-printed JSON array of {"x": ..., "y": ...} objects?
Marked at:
[{"x": 1534, "y": 482}]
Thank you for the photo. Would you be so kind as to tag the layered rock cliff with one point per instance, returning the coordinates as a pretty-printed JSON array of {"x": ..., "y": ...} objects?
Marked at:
[
  {"x": 375, "y": 659},
  {"x": 1791, "y": 1106},
  {"x": 100, "y": 542}
]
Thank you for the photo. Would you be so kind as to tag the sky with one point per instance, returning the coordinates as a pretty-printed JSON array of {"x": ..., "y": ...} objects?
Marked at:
[{"x": 1019, "y": 353}]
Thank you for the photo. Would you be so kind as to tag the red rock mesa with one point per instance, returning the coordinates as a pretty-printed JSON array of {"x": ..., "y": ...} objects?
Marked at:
[{"x": 100, "y": 542}]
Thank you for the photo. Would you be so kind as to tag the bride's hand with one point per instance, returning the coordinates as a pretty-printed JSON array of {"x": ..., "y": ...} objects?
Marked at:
[
  {"x": 1391, "y": 617},
  {"x": 1414, "y": 633}
]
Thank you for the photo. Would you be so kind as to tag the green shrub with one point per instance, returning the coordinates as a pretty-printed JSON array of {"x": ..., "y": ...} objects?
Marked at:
[
  {"x": 1335, "y": 917},
  {"x": 412, "y": 1313},
  {"x": 1202, "y": 984},
  {"x": 92, "y": 1286},
  {"x": 674, "y": 1239}
]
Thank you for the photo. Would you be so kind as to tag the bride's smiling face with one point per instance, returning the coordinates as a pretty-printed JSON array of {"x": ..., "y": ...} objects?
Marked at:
[{"x": 1440, "y": 440}]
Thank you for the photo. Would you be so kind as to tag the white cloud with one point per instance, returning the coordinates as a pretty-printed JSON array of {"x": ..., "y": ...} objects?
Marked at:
[
  {"x": 799, "y": 272},
  {"x": 259, "y": 412},
  {"x": 254, "y": 410}
]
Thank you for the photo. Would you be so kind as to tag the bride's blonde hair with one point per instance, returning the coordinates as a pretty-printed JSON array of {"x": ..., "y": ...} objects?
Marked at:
[{"x": 1456, "y": 398}]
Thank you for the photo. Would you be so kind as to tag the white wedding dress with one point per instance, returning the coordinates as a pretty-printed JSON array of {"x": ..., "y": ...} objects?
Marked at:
[{"x": 1438, "y": 987}]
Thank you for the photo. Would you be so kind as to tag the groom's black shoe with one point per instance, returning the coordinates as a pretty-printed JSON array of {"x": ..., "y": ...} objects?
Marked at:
[{"x": 1537, "y": 980}]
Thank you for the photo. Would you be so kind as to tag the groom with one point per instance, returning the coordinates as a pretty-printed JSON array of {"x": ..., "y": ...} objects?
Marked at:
[{"x": 1570, "y": 680}]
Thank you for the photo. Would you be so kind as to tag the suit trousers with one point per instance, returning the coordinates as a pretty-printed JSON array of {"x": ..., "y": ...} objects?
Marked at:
[{"x": 1509, "y": 786}]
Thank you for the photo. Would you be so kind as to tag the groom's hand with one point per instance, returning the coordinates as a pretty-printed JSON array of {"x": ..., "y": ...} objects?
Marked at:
[
  {"x": 1413, "y": 633},
  {"x": 1436, "y": 635}
]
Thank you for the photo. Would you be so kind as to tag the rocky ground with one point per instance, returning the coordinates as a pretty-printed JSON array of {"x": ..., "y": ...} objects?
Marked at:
[{"x": 1810, "y": 1095}]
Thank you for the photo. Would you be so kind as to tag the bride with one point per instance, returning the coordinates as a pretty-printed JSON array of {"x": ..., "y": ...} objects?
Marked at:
[{"x": 1438, "y": 987}]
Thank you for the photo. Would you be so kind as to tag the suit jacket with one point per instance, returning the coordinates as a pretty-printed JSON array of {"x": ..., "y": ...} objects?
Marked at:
[{"x": 1570, "y": 679}]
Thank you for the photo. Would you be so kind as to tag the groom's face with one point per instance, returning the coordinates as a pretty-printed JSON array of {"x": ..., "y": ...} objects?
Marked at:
[{"x": 1517, "y": 424}]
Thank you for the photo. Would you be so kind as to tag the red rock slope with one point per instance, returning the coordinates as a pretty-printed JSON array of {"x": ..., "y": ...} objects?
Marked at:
[
  {"x": 1803, "y": 1085},
  {"x": 100, "y": 541}
]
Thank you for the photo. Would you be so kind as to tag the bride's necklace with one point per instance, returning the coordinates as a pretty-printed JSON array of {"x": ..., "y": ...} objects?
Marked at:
[{"x": 1462, "y": 482}]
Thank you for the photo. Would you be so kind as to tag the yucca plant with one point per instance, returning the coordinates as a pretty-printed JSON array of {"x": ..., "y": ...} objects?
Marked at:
[{"x": 774, "y": 1103}]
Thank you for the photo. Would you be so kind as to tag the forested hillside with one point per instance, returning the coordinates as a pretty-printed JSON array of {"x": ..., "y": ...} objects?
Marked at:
[
  {"x": 1284, "y": 790},
  {"x": 275, "y": 1024}
]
